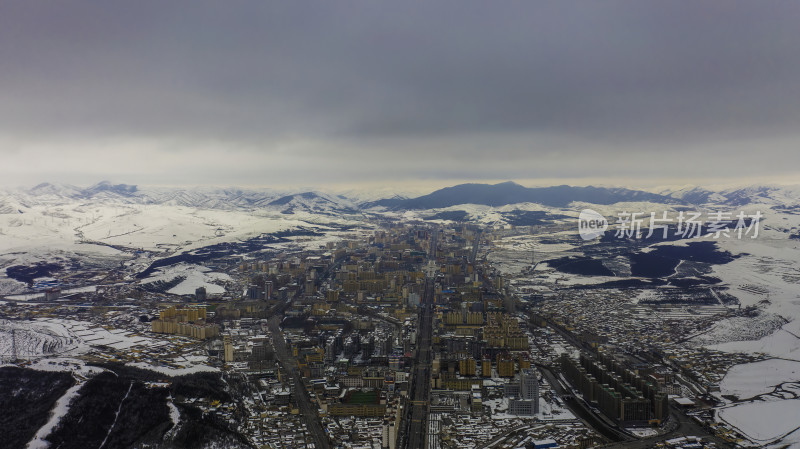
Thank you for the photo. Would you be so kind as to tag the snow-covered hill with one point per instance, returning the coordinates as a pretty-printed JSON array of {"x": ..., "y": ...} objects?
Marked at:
[
  {"x": 15, "y": 201},
  {"x": 314, "y": 202},
  {"x": 20, "y": 201},
  {"x": 163, "y": 219},
  {"x": 773, "y": 195}
]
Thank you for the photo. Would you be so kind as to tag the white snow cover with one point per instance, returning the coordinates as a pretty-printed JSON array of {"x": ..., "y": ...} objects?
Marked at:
[
  {"x": 149, "y": 227},
  {"x": 37, "y": 338},
  {"x": 764, "y": 421},
  {"x": 751, "y": 379},
  {"x": 61, "y": 408},
  {"x": 81, "y": 372},
  {"x": 196, "y": 276},
  {"x": 169, "y": 371},
  {"x": 174, "y": 413},
  {"x": 783, "y": 343},
  {"x": 66, "y": 337}
]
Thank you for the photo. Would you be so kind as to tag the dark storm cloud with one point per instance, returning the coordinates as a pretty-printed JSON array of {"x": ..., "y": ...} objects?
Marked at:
[{"x": 512, "y": 88}]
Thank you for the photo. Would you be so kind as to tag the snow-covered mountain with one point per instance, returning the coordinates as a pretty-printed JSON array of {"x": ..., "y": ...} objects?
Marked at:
[
  {"x": 512, "y": 193},
  {"x": 199, "y": 197},
  {"x": 319, "y": 203},
  {"x": 773, "y": 195},
  {"x": 210, "y": 198},
  {"x": 18, "y": 201}
]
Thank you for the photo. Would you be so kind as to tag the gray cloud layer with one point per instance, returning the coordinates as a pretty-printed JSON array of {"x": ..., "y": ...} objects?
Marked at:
[{"x": 261, "y": 92}]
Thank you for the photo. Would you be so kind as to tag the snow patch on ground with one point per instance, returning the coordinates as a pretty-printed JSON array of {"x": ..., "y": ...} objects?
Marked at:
[
  {"x": 783, "y": 343},
  {"x": 174, "y": 416},
  {"x": 80, "y": 372},
  {"x": 196, "y": 276},
  {"x": 46, "y": 337},
  {"x": 752, "y": 379},
  {"x": 59, "y": 410},
  {"x": 36, "y": 338},
  {"x": 763, "y": 422},
  {"x": 170, "y": 371},
  {"x": 740, "y": 328},
  {"x": 642, "y": 432}
]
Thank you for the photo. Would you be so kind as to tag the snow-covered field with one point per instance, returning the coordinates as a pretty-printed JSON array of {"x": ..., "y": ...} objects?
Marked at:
[
  {"x": 48, "y": 337},
  {"x": 753, "y": 379},
  {"x": 146, "y": 227},
  {"x": 100, "y": 235},
  {"x": 764, "y": 422},
  {"x": 542, "y": 245},
  {"x": 54, "y": 336},
  {"x": 728, "y": 333},
  {"x": 195, "y": 276},
  {"x": 767, "y": 275},
  {"x": 480, "y": 213},
  {"x": 53, "y": 344},
  {"x": 171, "y": 371},
  {"x": 36, "y": 338},
  {"x": 770, "y": 390},
  {"x": 784, "y": 343},
  {"x": 90, "y": 256}
]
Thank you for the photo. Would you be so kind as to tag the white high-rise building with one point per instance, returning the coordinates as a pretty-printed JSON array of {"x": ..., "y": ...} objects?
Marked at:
[
  {"x": 528, "y": 385},
  {"x": 528, "y": 402}
]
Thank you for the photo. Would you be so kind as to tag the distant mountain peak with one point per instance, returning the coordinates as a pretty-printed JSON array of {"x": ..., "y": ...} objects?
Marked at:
[
  {"x": 509, "y": 192},
  {"x": 508, "y": 183},
  {"x": 107, "y": 186}
]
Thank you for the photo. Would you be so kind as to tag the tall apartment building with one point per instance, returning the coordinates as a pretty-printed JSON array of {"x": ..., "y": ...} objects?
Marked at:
[
  {"x": 228, "y": 351},
  {"x": 188, "y": 321},
  {"x": 466, "y": 366},
  {"x": 528, "y": 385},
  {"x": 620, "y": 393},
  {"x": 524, "y": 394}
]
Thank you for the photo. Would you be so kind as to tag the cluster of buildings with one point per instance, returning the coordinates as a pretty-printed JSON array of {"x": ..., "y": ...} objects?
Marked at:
[
  {"x": 351, "y": 332},
  {"x": 186, "y": 321},
  {"x": 351, "y": 329},
  {"x": 328, "y": 336},
  {"x": 623, "y": 395}
]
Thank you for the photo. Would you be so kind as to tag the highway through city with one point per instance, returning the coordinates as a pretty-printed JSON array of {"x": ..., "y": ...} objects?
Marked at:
[
  {"x": 413, "y": 432},
  {"x": 417, "y": 416},
  {"x": 475, "y": 247},
  {"x": 307, "y": 409}
]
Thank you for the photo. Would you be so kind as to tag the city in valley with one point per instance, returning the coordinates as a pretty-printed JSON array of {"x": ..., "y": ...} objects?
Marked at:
[
  {"x": 400, "y": 224},
  {"x": 315, "y": 320}
]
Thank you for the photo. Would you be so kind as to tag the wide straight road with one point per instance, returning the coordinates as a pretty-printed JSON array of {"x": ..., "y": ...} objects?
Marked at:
[
  {"x": 475, "y": 245},
  {"x": 417, "y": 417},
  {"x": 307, "y": 409}
]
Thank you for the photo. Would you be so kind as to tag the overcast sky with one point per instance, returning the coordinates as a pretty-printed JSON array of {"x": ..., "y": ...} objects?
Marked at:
[{"x": 277, "y": 93}]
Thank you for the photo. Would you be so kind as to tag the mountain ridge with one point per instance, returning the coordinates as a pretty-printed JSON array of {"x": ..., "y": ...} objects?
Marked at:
[
  {"x": 509, "y": 192},
  {"x": 315, "y": 201}
]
